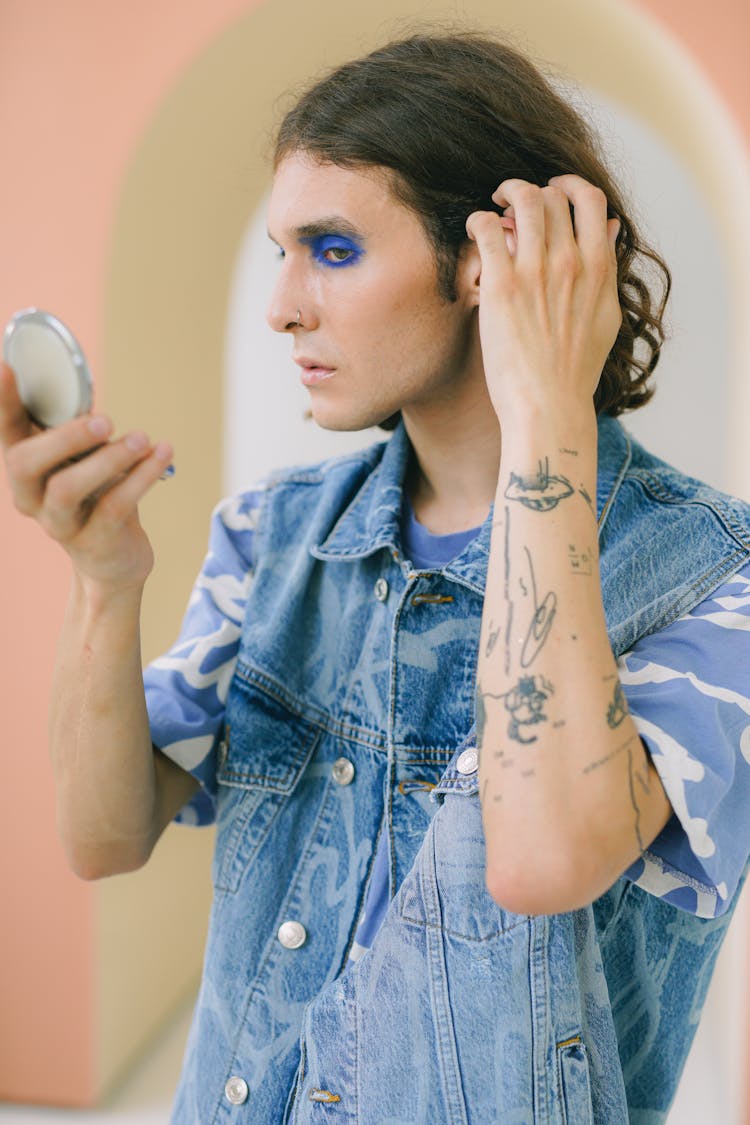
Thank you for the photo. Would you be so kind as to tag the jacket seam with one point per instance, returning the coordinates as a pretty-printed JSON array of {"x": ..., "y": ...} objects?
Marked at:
[
  {"x": 499, "y": 933},
  {"x": 699, "y": 588},
  {"x": 331, "y": 725},
  {"x": 715, "y": 503}
]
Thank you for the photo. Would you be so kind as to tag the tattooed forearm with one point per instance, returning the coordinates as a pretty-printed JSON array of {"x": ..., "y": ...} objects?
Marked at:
[
  {"x": 618, "y": 708},
  {"x": 540, "y": 490},
  {"x": 541, "y": 622}
]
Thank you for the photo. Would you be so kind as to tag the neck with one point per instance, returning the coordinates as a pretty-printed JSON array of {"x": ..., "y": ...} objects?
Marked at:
[{"x": 452, "y": 476}]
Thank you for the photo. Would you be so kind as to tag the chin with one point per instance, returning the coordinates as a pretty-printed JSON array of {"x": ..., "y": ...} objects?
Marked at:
[{"x": 348, "y": 421}]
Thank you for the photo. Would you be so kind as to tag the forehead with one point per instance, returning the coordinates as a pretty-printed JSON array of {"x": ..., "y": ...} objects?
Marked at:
[{"x": 306, "y": 190}]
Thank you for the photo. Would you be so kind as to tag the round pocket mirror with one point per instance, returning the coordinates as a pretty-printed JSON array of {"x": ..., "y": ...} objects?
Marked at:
[{"x": 51, "y": 372}]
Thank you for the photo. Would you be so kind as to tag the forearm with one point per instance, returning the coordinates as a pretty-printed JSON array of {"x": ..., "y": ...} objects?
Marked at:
[
  {"x": 99, "y": 735},
  {"x": 569, "y": 797}
]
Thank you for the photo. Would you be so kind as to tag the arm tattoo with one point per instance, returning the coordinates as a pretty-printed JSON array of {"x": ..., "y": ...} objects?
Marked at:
[
  {"x": 609, "y": 757},
  {"x": 540, "y": 490},
  {"x": 506, "y": 592},
  {"x": 582, "y": 491},
  {"x": 580, "y": 561},
  {"x": 492, "y": 639},
  {"x": 541, "y": 622},
  {"x": 525, "y": 705},
  {"x": 618, "y": 708}
]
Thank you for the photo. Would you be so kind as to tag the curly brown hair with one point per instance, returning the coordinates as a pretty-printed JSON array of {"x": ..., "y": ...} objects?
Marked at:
[{"x": 451, "y": 115}]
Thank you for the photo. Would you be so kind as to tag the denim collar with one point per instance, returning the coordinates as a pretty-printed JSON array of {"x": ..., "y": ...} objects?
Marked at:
[{"x": 372, "y": 520}]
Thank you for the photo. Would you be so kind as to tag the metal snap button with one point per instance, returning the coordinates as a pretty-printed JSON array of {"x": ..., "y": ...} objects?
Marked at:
[
  {"x": 292, "y": 934},
  {"x": 381, "y": 589},
  {"x": 468, "y": 762},
  {"x": 343, "y": 771},
  {"x": 236, "y": 1090}
]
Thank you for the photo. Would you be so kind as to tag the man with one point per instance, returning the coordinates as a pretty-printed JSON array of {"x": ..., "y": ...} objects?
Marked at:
[{"x": 357, "y": 623}]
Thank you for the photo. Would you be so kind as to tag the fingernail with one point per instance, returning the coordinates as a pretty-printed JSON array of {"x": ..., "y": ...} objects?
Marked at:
[
  {"x": 168, "y": 472},
  {"x": 136, "y": 442},
  {"x": 99, "y": 426}
]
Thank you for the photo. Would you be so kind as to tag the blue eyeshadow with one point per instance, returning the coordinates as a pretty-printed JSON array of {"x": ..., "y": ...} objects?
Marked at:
[{"x": 322, "y": 243}]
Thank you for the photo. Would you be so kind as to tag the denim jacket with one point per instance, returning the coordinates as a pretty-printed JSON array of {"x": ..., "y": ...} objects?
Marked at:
[{"x": 352, "y": 707}]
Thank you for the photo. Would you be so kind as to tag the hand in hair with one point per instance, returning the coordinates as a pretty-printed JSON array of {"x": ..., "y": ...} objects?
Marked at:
[{"x": 548, "y": 306}]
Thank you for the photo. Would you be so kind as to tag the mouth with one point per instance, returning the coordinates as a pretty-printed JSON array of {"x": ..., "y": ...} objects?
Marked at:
[{"x": 312, "y": 371}]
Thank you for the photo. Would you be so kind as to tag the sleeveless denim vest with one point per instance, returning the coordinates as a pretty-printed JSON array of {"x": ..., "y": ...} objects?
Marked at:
[{"x": 352, "y": 698}]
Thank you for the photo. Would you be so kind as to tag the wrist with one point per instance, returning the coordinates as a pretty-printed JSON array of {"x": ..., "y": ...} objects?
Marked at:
[
  {"x": 545, "y": 453},
  {"x": 534, "y": 430},
  {"x": 101, "y": 599}
]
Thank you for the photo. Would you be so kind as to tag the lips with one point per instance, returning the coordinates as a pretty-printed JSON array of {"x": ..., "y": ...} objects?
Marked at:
[{"x": 313, "y": 371}]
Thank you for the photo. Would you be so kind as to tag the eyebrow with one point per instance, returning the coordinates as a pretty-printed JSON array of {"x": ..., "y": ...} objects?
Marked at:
[{"x": 327, "y": 225}]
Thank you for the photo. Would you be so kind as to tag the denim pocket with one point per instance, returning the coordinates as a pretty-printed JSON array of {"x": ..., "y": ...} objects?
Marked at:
[
  {"x": 450, "y": 869},
  {"x": 573, "y": 1082},
  {"x": 260, "y": 762}
]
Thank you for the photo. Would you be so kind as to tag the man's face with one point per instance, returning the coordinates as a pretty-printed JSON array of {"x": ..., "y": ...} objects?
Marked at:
[{"x": 375, "y": 336}]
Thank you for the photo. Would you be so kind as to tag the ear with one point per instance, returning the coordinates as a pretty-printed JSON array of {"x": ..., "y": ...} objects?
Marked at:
[{"x": 468, "y": 274}]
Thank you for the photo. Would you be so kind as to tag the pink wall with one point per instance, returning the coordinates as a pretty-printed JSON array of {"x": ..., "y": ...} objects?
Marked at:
[
  {"x": 78, "y": 82},
  {"x": 716, "y": 36}
]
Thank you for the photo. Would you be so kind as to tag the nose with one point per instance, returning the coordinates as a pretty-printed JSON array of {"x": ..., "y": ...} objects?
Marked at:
[{"x": 289, "y": 306}]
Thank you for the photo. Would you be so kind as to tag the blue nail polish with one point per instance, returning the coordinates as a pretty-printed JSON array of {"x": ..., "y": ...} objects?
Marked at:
[{"x": 168, "y": 472}]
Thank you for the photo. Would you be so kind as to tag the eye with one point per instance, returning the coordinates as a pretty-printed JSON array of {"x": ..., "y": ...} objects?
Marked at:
[
  {"x": 337, "y": 254},
  {"x": 335, "y": 250}
]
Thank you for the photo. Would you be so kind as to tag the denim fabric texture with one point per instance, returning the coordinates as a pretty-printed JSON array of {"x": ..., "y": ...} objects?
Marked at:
[{"x": 461, "y": 1013}]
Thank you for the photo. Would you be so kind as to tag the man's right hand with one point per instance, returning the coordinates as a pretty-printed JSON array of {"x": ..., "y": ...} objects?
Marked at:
[{"x": 83, "y": 488}]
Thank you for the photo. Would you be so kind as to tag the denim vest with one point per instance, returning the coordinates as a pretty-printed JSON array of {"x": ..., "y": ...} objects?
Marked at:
[{"x": 352, "y": 699}]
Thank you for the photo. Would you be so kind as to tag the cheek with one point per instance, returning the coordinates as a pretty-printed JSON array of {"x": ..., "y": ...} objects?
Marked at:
[{"x": 408, "y": 297}]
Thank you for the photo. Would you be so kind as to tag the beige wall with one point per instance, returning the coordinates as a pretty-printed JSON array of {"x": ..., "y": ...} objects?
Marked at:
[{"x": 131, "y": 162}]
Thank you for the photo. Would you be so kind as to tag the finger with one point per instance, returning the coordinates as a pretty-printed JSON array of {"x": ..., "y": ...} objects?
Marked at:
[
  {"x": 613, "y": 230},
  {"x": 508, "y": 224},
  {"x": 589, "y": 213},
  {"x": 528, "y": 212},
  {"x": 15, "y": 423},
  {"x": 486, "y": 229},
  {"x": 120, "y": 501},
  {"x": 32, "y": 461},
  {"x": 558, "y": 222},
  {"x": 72, "y": 491}
]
